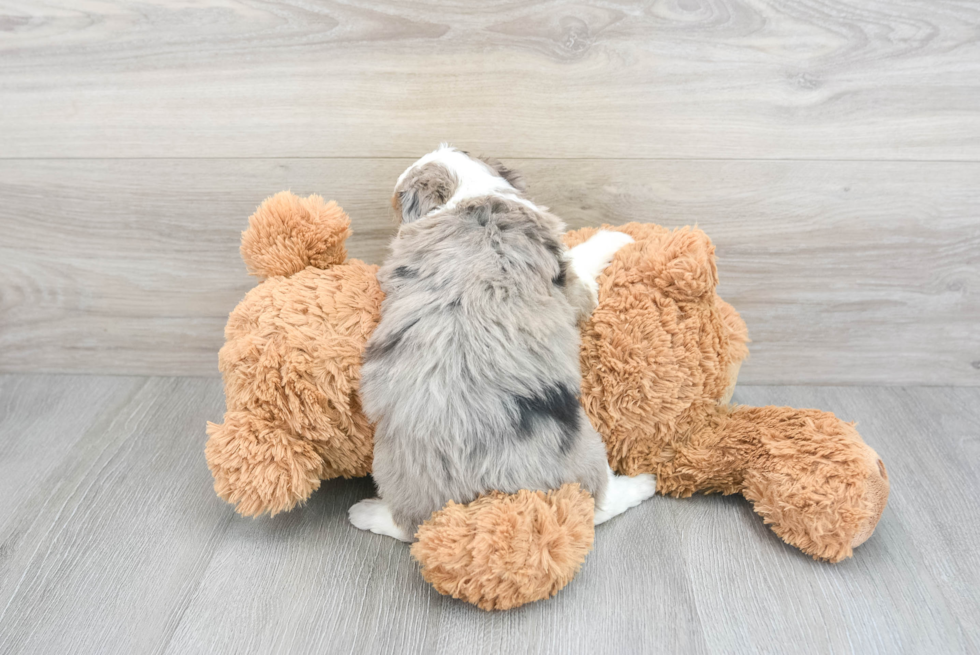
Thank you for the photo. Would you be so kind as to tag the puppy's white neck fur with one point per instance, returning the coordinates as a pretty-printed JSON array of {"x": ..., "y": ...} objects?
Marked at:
[{"x": 474, "y": 178}]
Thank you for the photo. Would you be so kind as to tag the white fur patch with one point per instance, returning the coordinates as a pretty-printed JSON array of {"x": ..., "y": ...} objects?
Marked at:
[
  {"x": 474, "y": 178},
  {"x": 623, "y": 492},
  {"x": 590, "y": 259},
  {"x": 374, "y": 516}
]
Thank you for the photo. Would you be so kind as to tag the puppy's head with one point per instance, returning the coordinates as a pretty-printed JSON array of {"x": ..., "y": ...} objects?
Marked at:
[{"x": 446, "y": 176}]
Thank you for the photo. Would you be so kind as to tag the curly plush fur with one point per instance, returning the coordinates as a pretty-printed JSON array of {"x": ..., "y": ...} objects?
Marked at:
[
  {"x": 292, "y": 361},
  {"x": 502, "y": 551},
  {"x": 659, "y": 357}
]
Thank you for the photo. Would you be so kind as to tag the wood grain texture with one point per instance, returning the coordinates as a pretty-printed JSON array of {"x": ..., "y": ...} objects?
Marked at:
[
  {"x": 40, "y": 419},
  {"x": 122, "y": 547},
  {"x": 844, "y": 272},
  {"x": 106, "y": 548},
  {"x": 813, "y": 79}
]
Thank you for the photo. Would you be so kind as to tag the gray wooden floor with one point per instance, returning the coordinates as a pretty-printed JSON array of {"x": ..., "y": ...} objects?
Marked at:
[{"x": 111, "y": 541}]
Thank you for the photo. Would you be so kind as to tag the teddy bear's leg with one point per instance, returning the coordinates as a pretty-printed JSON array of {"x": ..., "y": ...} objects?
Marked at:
[
  {"x": 261, "y": 466},
  {"x": 806, "y": 472}
]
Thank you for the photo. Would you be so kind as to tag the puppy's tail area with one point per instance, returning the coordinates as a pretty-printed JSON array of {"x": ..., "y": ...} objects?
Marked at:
[
  {"x": 502, "y": 551},
  {"x": 287, "y": 233}
]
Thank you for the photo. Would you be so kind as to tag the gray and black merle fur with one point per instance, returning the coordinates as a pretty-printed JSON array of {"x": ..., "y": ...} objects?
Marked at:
[{"x": 472, "y": 376}]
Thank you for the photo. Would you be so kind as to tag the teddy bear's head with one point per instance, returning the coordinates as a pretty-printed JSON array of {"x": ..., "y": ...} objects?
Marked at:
[{"x": 292, "y": 359}]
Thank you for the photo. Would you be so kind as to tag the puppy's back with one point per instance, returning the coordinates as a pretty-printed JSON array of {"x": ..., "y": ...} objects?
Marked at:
[{"x": 472, "y": 375}]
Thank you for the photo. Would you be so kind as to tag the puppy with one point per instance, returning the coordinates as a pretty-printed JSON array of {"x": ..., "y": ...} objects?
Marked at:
[{"x": 472, "y": 376}]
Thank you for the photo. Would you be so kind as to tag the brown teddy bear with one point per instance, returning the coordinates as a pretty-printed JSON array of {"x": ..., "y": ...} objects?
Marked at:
[{"x": 660, "y": 356}]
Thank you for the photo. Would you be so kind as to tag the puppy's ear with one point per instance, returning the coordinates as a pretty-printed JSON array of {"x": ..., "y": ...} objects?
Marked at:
[
  {"x": 514, "y": 178},
  {"x": 426, "y": 188}
]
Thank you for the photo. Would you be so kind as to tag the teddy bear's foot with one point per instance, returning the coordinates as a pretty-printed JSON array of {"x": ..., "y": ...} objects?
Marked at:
[
  {"x": 813, "y": 480},
  {"x": 502, "y": 551},
  {"x": 261, "y": 467},
  {"x": 877, "y": 488}
]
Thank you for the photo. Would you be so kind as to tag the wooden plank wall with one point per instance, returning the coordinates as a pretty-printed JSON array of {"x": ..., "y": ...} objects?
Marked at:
[{"x": 830, "y": 148}]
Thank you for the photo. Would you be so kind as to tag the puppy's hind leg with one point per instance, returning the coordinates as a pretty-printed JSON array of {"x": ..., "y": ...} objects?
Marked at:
[
  {"x": 623, "y": 492},
  {"x": 372, "y": 514}
]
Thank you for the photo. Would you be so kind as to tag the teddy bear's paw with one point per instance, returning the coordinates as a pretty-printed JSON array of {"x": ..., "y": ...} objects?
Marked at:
[
  {"x": 374, "y": 516},
  {"x": 502, "y": 551},
  {"x": 623, "y": 492},
  {"x": 591, "y": 258}
]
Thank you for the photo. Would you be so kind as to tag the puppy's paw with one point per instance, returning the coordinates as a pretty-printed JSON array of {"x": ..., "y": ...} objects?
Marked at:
[
  {"x": 589, "y": 259},
  {"x": 374, "y": 516},
  {"x": 640, "y": 487},
  {"x": 624, "y": 492}
]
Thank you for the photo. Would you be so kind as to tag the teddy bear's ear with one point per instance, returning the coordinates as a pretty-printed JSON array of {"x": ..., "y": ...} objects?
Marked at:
[
  {"x": 424, "y": 188},
  {"x": 287, "y": 234},
  {"x": 680, "y": 263}
]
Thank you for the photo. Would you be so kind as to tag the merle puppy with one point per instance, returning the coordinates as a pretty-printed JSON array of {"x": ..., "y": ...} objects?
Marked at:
[{"x": 472, "y": 376}]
